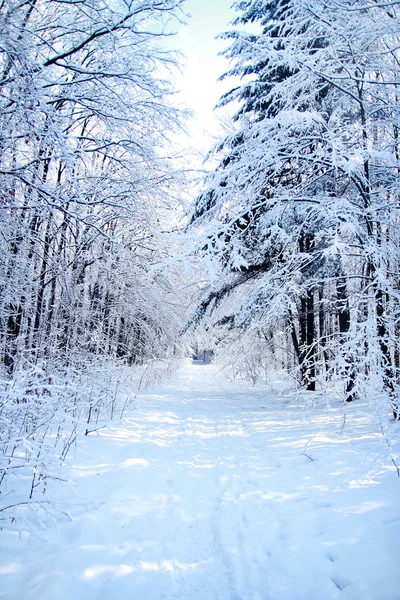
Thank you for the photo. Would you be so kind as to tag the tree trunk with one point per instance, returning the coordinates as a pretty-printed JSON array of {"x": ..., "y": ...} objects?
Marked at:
[
  {"x": 310, "y": 357},
  {"x": 343, "y": 311}
]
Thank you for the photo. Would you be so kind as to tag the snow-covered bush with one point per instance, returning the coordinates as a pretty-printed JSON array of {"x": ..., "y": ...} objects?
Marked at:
[{"x": 43, "y": 413}]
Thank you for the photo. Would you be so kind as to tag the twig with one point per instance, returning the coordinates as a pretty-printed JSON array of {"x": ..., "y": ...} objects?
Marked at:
[
  {"x": 308, "y": 456},
  {"x": 114, "y": 399},
  {"x": 126, "y": 404},
  {"x": 92, "y": 430},
  {"x": 37, "y": 502},
  {"x": 343, "y": 425}
]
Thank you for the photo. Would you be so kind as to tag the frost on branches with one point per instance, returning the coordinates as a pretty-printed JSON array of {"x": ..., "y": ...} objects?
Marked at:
[
  {"x": 84, "y": 116},
  {"x": 300, "y": 221},
  {"x": 86, "y": 195}
]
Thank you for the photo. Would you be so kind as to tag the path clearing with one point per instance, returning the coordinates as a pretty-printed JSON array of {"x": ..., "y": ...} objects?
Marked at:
[{"x": 215, "y": 491}]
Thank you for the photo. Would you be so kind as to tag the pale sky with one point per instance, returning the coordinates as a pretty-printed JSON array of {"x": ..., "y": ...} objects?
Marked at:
[{"x": 200, "y": 89}]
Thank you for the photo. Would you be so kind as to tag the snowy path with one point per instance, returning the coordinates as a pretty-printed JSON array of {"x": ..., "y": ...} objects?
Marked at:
[{"x": 208, "y": 494}]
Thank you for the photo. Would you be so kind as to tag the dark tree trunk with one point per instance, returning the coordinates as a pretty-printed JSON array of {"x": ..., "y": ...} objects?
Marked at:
[
  {"x": 41, "y": 289},
  {"x": 311, "y": 371},
  {"x": 322, "y": 328},
  {"x": 343, "y": 311},
  {"x": 303, "y": 339},
  {"x": 388, "y": 371},
  {"x": 307, "y": 321}
]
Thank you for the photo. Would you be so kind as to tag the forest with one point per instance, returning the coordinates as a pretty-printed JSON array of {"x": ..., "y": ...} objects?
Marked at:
[
  {"x": 120, "y": 257},
  {"x": 300, "y": 217}
]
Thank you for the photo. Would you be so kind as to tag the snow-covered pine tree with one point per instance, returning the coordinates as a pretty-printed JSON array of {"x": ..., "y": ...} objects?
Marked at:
[{"x": 304, "y": 198}]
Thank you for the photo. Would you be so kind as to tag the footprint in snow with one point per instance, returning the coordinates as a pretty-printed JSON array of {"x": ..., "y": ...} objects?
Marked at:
[
  {"x": 390, "y": 521},
  {"x": 302, "y": 499},
  {"x": 318, "y": 531},
  {"x": 341, "y": 582},
  {"x": 332, "y": 557},
  {"x": 322, "y": 504}
]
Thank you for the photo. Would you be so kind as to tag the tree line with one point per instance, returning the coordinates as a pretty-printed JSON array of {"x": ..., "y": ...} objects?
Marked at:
[
  {"x": 300, "y": 219},
  {"x": 86, "y": 188},
  {"x": 87, "y": 194}
]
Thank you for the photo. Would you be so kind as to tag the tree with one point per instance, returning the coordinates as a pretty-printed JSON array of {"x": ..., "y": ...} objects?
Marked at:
[
  {"x": 304, "y": 202},
  {"x": 85, "y": 114}
]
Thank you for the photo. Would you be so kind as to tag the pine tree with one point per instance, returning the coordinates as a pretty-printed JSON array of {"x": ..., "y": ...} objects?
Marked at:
[{"x": 303, "y": 201}]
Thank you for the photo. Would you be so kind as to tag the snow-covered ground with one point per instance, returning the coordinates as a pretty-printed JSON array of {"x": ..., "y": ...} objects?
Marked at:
[{"x": 211, "y": 490}]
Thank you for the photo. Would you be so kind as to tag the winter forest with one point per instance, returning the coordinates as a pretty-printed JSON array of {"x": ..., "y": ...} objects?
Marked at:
[{"x": 130, "y": 260}]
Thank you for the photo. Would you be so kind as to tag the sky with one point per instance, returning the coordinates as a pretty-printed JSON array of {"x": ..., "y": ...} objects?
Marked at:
[{"x": 199, "y": 85}]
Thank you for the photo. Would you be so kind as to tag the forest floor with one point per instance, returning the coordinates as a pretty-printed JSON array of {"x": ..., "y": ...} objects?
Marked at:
[{"x": 212, "y": 490}]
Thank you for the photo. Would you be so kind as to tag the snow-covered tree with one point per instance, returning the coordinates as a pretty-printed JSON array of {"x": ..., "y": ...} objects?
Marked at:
[
  {"x": 87, "y": 198},
  {"x": 301, "y": 216},
  {"x": 85, "y": 115}
]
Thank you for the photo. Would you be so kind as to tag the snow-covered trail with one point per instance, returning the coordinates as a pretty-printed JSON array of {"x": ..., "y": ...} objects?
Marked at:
[{"x": 214, "y": 491}]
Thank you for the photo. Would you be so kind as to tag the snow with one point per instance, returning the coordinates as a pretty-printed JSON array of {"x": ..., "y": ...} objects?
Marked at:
[{"x": 214, "y": 490}]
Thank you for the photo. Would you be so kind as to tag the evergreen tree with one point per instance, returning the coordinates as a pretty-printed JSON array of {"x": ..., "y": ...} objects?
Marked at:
[{"x": 303, "y": 201}]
